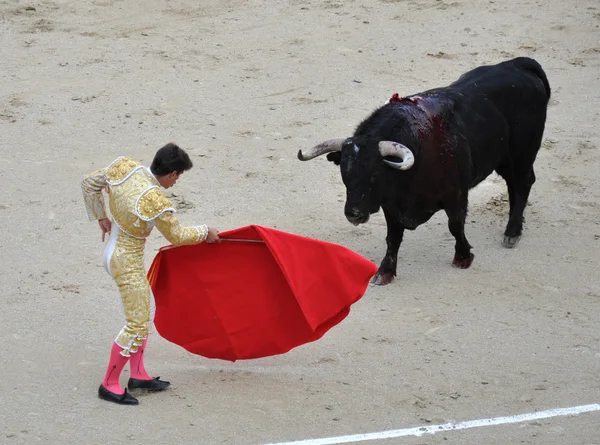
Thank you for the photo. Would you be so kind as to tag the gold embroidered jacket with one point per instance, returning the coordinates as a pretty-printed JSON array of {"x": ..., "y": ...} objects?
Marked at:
[{"x": 137, "y": 202}]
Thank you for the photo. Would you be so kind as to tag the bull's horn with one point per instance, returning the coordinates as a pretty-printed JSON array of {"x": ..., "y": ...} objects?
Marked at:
[
  {"x": 390, "y": 148},
  {"x": 324, "y": 147}
]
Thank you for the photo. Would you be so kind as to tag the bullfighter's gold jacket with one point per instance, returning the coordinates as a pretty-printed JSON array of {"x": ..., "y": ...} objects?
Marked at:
[{"x": 137, "y": 202}]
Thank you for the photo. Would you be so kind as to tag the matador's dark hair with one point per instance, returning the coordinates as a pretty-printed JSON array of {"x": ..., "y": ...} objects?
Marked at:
[{"x": 170, "y": 158}]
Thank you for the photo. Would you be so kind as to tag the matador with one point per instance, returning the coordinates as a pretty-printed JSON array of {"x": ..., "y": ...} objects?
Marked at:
[{"x": 137, "y": 203}]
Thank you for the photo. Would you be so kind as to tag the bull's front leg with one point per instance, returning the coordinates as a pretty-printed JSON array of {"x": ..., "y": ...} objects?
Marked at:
[
  {"x": 395, "y": 233},
  {"x": 457, "y": 214}
]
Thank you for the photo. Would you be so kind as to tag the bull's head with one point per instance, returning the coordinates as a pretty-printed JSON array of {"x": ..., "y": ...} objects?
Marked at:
[{"x": 362, "y": 165}]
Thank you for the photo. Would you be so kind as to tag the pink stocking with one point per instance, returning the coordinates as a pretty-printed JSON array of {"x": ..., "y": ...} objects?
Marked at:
[
  {"x": 138, "y": 371},
  {"x": 115, "y": 366}
]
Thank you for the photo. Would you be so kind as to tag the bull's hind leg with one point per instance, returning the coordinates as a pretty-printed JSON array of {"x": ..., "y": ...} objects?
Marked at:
[
  {"x": 519, "y": 185},
  {"x": 457, "y": 214}
]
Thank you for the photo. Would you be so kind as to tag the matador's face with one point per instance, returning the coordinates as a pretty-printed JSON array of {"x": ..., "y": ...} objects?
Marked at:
[{"x": 169, "y": 180}]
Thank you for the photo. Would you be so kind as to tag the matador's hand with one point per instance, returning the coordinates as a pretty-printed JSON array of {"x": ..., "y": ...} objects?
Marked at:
[
  {"x": 105, "y": 225},
  {"x": 213, "y": 236}
]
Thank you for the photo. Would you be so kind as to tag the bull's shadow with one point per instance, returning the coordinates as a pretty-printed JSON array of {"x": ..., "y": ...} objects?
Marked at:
[{"x": 423, "y": 153}]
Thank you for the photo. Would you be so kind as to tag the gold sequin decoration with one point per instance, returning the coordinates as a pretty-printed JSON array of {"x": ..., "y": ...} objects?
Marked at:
[
  {"x": 152, "y": 203},
  {"x": 127, "y": 268},
  {"x": 119, "y": 169},
  {"x": 92, "y": 186},
  {"x": 178, "y": 235}
]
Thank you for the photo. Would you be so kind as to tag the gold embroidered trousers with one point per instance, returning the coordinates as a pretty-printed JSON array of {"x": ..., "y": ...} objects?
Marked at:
[{"x": 124, "y": 261}]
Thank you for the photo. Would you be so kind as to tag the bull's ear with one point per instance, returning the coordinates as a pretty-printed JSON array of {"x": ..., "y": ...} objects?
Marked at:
[{"x": 334, "y": 157}]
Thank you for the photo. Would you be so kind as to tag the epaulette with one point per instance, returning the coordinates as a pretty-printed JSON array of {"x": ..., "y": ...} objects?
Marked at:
[
  {"x": 152, "y": 203},
  {"x": 120, "y": 169}
]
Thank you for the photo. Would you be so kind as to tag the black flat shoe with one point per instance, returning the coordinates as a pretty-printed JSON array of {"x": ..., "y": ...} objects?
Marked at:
[
  {"x": 148, "y": 385},
  {"x": 121, "y": 399}
]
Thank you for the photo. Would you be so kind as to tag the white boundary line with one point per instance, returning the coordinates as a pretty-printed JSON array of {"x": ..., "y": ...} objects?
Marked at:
[{"x": 433, "y": 429}]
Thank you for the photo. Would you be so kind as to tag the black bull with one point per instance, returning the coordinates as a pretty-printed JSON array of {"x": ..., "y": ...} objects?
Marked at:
[{"x": 417, "y": 155}]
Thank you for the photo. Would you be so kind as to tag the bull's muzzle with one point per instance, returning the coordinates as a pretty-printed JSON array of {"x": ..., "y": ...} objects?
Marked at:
[{"x": 356, "y": 217}]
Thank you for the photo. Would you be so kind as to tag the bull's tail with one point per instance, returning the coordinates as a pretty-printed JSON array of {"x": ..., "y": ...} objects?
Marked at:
[{"x": 535, "y": 68}]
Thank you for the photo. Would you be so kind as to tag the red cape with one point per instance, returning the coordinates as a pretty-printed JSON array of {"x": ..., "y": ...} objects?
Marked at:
[{"x": 243, "y": 299}]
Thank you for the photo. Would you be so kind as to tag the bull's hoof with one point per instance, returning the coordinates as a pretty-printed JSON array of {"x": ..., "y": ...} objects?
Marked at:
[
  {"x": 382, "y": 279},
  {"x": 510, "y": 241},
  {"x": 463, "y": 263}
]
